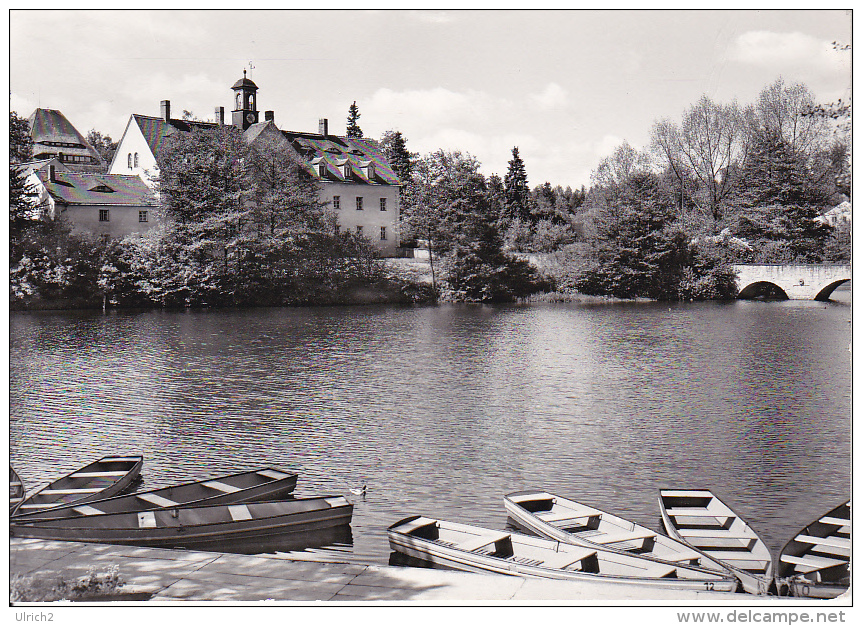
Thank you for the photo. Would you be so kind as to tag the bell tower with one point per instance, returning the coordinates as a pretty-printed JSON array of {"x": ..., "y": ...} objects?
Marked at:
[{"x": 244, "y": 103}]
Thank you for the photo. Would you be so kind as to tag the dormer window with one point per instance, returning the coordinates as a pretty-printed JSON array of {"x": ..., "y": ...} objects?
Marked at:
[
  {"x": 347, "y": 171},
  {"x": 369, "y": 171},
  {"x": 102, "y": 189},
  {"x": 321, "y": 169}
]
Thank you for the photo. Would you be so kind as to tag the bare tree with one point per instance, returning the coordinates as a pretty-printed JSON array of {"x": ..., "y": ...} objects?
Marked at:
[{"x": 785, "y": 110}]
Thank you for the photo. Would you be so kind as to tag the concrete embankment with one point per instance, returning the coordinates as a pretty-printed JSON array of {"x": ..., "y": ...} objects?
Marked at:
[{"x": 181, "y": 575}]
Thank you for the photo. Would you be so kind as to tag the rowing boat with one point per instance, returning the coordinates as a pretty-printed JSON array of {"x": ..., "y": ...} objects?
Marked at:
[
  {"x": 475, "y": 549},
  {"x": 816, "y": 562},
  {"x": 263, "y": 484},
  {"x": 16, "y": 489},
  {"x": 554, "y": 517},
  {"x": 698, "y": 518},
  {"x": 104, "y": 478},
  {"x": 249, "y": 527}
]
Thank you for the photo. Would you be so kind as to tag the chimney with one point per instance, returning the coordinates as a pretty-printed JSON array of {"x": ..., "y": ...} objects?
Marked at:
[
  {"x": 52, "y": 173},
  {"x": 219, "y": 115},
  {"x": 166, "y": 110},
  {"x": 323, "y": 127},
  {"x": 269, "y": 116}
]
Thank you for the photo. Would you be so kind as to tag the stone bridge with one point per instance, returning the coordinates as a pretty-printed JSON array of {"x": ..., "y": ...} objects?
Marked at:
[{"x": 798, "y": 282}]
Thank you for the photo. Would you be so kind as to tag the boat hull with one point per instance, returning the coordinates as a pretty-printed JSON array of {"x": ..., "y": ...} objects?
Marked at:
[
  {"x": 16, "y": 490},
  {"x": 274, "y": 525},
  {"x": 526, "y": 520},
  {"x": 754, "y": 583},
  {"x": 451, "y": 557},
  {"x": 258, "y": 485},
  {"x": 104, "y": 478}
]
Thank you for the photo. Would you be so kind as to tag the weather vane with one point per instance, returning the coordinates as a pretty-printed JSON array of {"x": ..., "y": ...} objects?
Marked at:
[{"x": 250, "y": 68}]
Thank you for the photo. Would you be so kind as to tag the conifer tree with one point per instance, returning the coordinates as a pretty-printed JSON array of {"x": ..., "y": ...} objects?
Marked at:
[
  {"x": 517, "y": 189},
  {"x": 353, "y": 116},
  {"x": 395, "y": 148}
]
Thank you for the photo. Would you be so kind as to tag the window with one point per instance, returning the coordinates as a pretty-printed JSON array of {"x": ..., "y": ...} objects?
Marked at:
[
  {"x": 336, "y": 202},
  {"x": 359, "y": 230},
  {"x": 142, "y": 216},
  {"x": 346, "y": 172},
  {"x": 136, "y": 159},
  {"x": 322, "y": 169},
  {"x": 382, "y": 233},
  {"x": 130, "y": 160},
  {"x": 104, "y": 215},
  {"x": 382, "y": 204},
  {"x": 358, "y": 203}
]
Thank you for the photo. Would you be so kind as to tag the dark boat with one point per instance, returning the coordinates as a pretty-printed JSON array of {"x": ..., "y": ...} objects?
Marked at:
[
  {"x": 475, "y": 549},
  {"x": 102, "y": 479},
  {"x": 16, "y": 489},
  {"x": 698, "y": 518},
  {"x": 250, "y": 527},
  {"x": 816, "y": 562},
  {"x": 263, "y": 484}
]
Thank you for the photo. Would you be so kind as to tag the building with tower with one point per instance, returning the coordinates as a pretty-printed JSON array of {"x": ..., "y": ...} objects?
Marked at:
[
  {"x": 357, "y": 182},
  {"x": 54, "y": 137}
]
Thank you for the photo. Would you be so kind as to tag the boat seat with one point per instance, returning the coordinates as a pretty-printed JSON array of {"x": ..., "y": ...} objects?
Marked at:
[
  {"x": 413, "y": 525},
  {"x": 834, "y": 521},
  {"x": 480, "y": 541},
  {"x": 86, "y": 509},
  {"x": 696, "y": 493},
  {"x": 695, "y": 512},
  {"x": 220, "y": 486},
  {"x": 709, "y": 532},
  {"x": 842, "y": 543},
  {"x": 687, "y": 556},
  {"x": 96, "y": 474},
  {"x": 566, "y": 519},
  {"x": 38, "y": 505},
  {"x": 660, "y": 570},
  {"x": 718, "y": 542},
  {"x": 810, "y": 562},
  {"x": 562, "y": 560},
  {"x": 621, "y": 537},
  {"x": 757, "y": 566},
  {"x": 64, "y": 492},
  {"x": 239, "y": 512},
  {"x": 156, "y": 499},
  {"x": 272, "y": 474}
]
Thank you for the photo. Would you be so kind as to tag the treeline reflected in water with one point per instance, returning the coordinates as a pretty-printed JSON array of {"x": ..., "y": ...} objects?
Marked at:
[{"x": 443, "y": 410}]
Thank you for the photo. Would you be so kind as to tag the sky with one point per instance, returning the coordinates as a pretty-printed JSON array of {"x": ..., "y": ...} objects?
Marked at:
[{"x": 565, "y": 87}]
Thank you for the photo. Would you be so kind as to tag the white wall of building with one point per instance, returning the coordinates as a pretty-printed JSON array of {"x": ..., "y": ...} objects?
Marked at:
[
  {"x": 370, "y": 218},
  {"x": 133, "y": 143}
]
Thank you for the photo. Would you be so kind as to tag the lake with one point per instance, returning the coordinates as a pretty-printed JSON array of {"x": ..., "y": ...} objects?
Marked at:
[{"x": 443, "y": 410}]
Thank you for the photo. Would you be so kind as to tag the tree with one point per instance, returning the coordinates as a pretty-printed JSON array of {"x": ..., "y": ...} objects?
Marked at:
[
  {"x": 20, "y": 142},
  {"x": 395, "y": 148},
  {"x": 517, "y": 189},
  {"x": 616, "y": 171},
  {"x": 104, "y": 145},
  {"x": 642, "y": 252},
  {"x": 784, "y": 111},
  {"x": 353, "y": 116}
]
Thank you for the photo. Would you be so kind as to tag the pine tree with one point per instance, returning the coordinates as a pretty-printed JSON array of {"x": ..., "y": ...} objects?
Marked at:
[
  {"x": 395, "y": 148},
  {"x": 517, "y": 189},
  {"x": 353, "y": 116},
  {"x": 20, "y": 142}
]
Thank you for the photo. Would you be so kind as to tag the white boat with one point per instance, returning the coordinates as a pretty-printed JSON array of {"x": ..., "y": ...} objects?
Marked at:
[
  {"x": 816, "y": 562},
  {"x": 475, "y": 549},
  {"x": 698, "y": 518},
  {"x": 554, "y": 517}
]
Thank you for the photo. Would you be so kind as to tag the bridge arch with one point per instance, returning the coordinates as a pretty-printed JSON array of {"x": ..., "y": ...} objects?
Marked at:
[{"x": 794, "y": 282}]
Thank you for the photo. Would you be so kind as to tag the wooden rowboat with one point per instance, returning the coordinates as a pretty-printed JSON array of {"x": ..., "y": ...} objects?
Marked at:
[
  {"x": 16, "y": 489},
  {"x": 699, "y": 519},
  {"x": 475, "y": 549},
  {"x": 816, "y": 562},
  {"x": 554, "y": 517},
  {"x": 102, "y": 479},
  {"x": 264, "y": 484},
  {"x": 249, "y": 527}
]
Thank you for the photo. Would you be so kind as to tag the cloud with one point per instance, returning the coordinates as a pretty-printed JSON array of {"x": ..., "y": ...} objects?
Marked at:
[
  {"x": 552, "y": 97},
  {"x": 787, "y": 51}
]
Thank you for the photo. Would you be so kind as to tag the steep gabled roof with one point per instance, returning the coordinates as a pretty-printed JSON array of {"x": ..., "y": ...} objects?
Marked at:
[
  {"x": 156, "y": 129},
  {"x": 49, "y": 126},
  {"x": 97, "y": 189}
]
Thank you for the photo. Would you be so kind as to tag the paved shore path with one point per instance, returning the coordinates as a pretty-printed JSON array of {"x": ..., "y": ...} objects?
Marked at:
[{"x": 180, "y": 575}]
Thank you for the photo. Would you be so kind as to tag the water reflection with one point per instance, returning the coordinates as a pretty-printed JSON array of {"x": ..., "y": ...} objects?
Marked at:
[{"x": 443, "y": 410}]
